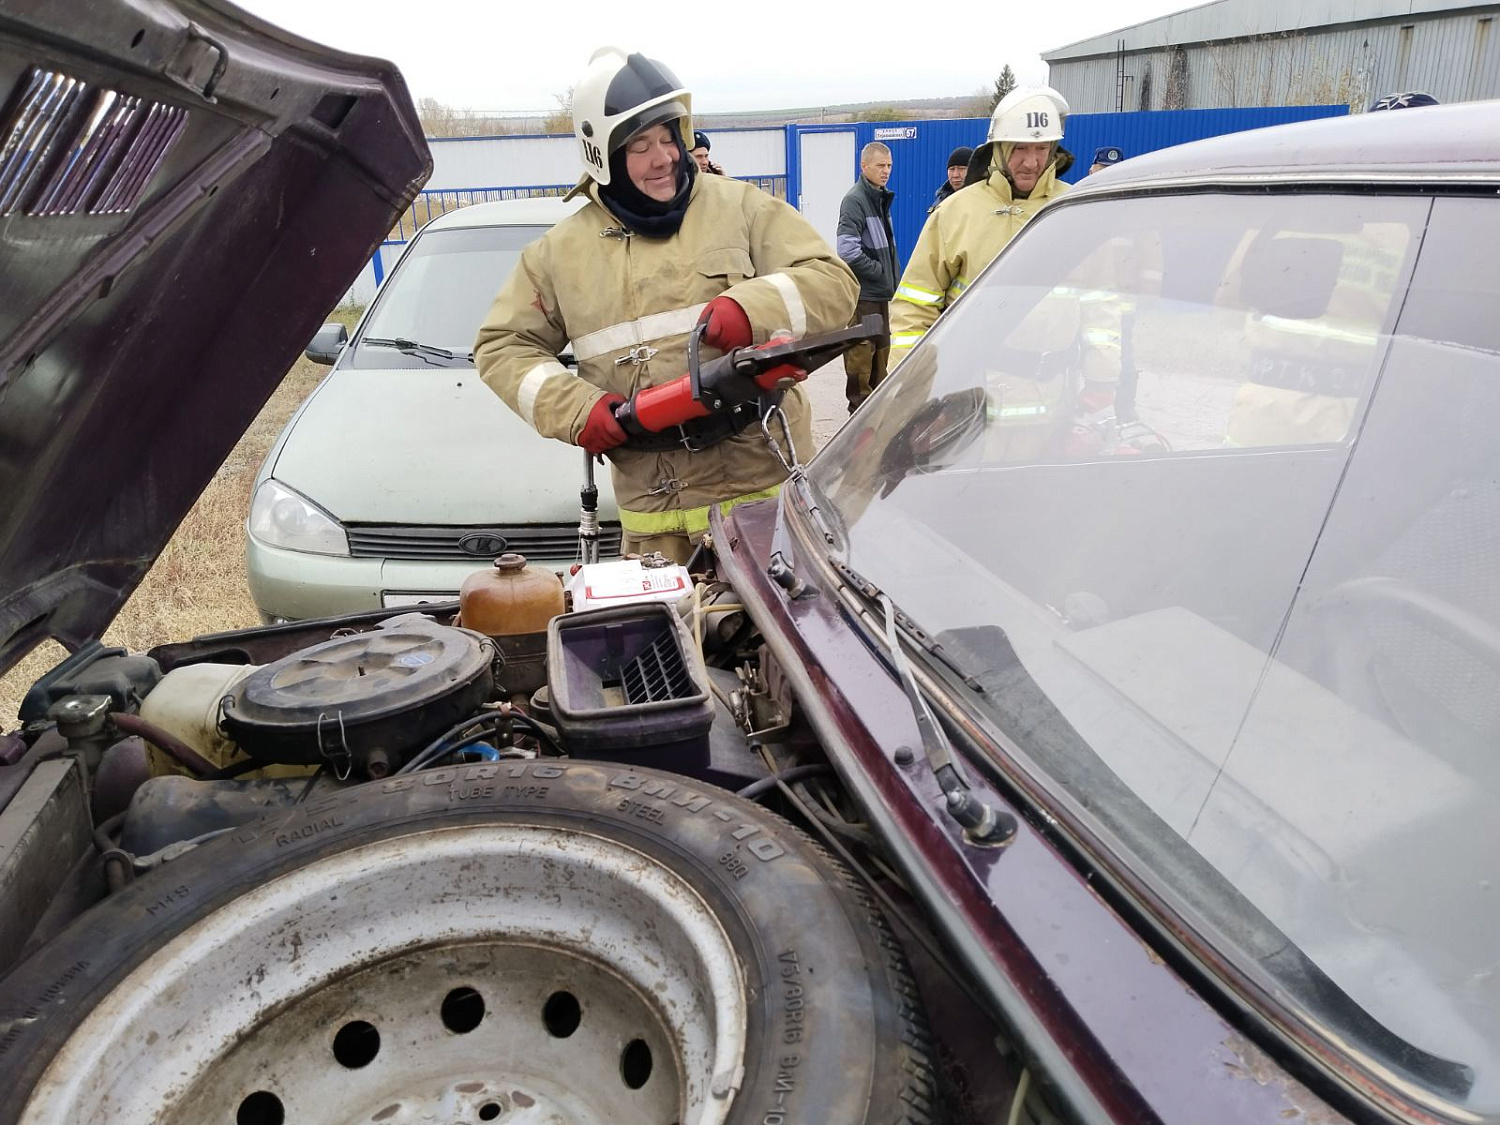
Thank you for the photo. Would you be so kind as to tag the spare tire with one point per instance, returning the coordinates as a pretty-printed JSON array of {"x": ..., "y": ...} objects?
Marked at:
[{"x": 514, "y": 942}]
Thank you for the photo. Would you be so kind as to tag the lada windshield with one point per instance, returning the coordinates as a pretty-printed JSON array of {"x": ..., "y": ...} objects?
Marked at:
[
  {"x": 439, "y": 293},
  {"x": 1205, "y": 489}
]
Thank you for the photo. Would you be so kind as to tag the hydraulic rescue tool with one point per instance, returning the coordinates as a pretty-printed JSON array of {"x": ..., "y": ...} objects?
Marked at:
[
  {"x": 722, "y": 396},
  {"x": 713, "y": 401}
]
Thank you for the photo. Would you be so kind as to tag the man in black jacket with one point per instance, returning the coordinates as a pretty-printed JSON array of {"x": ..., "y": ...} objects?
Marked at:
[{"x": 866, "y": 244}]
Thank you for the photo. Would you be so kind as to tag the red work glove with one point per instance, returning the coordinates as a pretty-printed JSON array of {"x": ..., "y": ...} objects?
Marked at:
[
  {"x": 600, "y": 430},
  {"x": 728, "y": 326}
]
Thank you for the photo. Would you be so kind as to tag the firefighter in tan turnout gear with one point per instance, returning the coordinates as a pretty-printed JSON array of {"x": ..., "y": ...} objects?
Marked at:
[
  {"x": 626, "y": 279},
  {"x": 963, "y": 236}
]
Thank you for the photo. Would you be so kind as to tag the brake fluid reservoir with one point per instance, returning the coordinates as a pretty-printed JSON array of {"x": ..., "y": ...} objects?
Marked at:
[{"x": 510, "y": 599}]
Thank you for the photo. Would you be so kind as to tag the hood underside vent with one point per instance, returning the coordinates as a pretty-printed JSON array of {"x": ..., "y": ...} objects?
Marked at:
[{"x": 70, "y": 148}]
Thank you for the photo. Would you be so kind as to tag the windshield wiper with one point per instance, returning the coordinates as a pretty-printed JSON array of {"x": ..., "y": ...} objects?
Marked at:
[
  {"x": 914, "y": 632},
  {"x": 981, "y": 821},
  {"x": 412, "y": 347}
]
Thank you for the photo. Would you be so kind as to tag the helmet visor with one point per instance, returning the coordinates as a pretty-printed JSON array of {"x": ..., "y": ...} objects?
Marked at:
[{"x": 662, "y": 114}]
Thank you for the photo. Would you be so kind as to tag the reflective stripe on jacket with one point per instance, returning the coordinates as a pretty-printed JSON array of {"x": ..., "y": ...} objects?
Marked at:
[
  {"x": 958, "y": 240},
  {"x": 686, "y": 521},
  {"x": 628, "y": 303}
]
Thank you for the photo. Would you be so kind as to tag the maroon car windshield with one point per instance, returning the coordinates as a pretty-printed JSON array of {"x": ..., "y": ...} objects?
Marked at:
[{"x": 1205, "y": 490}]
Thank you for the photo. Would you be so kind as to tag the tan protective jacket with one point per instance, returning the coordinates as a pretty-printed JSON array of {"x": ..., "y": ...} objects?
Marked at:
[
  {"x": 628, "y": 304},
  {"x": 958, "y": 240}
]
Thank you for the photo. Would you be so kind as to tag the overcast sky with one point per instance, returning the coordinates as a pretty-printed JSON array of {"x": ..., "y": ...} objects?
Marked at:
[{"x": 760, "y": 54}]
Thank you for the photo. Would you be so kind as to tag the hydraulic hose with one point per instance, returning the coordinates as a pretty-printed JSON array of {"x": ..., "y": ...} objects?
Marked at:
[
  {"x": 117, "y": 869},
  {"x": 169, "y": 744},
  {"x": 795, "y": 773}
]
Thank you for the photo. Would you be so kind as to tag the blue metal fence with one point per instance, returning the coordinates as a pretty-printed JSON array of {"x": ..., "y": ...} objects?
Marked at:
[
  {"x": 919, "y": 149},
  {"x": 430, "y": 205},
  {"x": 1135, "y": 133}
]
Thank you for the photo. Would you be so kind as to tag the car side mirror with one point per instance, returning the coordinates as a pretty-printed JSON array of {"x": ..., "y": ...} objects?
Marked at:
[{"x": 327, "y": 344}]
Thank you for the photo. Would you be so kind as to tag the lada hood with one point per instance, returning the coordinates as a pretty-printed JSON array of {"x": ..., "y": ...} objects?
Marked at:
[{"x": 185, "y": 192}]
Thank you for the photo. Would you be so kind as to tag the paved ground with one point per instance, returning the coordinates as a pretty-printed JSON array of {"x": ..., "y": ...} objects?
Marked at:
[{"x": 825, "y": 389}]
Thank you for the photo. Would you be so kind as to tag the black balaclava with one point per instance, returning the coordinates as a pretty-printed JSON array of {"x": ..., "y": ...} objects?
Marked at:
[{"x": 638, "y": 211}]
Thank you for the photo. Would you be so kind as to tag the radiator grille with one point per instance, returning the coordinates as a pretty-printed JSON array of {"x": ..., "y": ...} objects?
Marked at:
[{"x": 476, "y": 544}]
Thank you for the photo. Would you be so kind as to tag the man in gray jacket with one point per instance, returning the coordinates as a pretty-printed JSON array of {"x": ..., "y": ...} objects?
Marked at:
[{"x": 866, "y": 244}]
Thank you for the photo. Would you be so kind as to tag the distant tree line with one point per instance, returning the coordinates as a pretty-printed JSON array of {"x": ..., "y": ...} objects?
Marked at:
[{"x": 442, "y": 120}]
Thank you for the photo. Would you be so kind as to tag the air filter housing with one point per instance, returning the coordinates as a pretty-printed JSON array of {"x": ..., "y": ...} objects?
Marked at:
[
  {"x": 392, "y": 689},
  {"x": 627, "y": 683}
]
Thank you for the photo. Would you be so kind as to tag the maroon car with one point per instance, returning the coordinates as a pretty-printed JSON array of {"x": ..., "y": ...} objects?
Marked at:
[{"x": 1101, "y": 728}]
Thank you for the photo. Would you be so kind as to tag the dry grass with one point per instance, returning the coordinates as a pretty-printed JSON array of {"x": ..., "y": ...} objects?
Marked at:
[{"x": 198, "y": 583}]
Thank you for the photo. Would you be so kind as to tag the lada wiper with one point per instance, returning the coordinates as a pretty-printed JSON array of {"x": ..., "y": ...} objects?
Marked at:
[
  {"x": 982, "y": 822},
  {"x": 400, "y": 343},
  {"x": 824, "y": 516},
  {"x": 914, "y": 632}
]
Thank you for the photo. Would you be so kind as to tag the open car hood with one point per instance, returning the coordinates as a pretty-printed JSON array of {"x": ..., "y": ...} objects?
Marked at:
[{"x": 185, "y": 192}]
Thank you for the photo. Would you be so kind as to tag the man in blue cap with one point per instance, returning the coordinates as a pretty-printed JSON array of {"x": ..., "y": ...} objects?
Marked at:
[
  {"x": 1105, "y": 157},
  {"x": 1415, "y": 99}
]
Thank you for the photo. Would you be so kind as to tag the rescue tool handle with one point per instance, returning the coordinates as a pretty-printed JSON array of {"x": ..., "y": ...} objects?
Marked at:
[
  {"x": 728, "y": 385},
  {"x": 809, "y": 353}
]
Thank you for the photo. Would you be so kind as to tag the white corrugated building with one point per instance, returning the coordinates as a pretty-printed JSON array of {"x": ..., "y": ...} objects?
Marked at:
[{"x": 1242, "y": 53}]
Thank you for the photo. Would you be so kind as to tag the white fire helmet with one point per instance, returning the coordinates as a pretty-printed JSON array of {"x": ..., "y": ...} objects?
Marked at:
[
  {"x": 1028, "y": 116},
  {"x": 619, "y": 95}
]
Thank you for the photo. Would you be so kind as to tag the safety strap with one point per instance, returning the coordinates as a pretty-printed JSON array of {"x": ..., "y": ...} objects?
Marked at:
[{"x": 685, "y": 521}]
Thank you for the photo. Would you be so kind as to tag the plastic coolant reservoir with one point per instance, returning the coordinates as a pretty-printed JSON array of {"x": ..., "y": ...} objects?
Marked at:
[
  {"x": 627, "y": 582},
  {"x": 510, "y": 599},
  {"x": 186, "y": 703}
]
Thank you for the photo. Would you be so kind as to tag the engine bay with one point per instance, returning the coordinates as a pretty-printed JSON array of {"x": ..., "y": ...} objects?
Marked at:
[{"x": 658, "y": 669}]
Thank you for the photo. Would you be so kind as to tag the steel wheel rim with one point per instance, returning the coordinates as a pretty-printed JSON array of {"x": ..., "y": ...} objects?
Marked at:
[{"x": 247, "y": 1004}]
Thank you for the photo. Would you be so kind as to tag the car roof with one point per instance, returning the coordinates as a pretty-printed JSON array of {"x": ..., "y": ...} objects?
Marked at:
[
  {"x": 510, "y": 213},
  {"x": 1430, "y": 144}
]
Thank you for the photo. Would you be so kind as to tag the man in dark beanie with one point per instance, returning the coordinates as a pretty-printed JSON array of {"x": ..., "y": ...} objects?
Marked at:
[
  {"x": 958, "y": 166},
  {"x": 699, "y": 152}
]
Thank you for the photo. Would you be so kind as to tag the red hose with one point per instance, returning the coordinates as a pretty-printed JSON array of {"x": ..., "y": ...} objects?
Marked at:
[{"x": 169, "y": 744}]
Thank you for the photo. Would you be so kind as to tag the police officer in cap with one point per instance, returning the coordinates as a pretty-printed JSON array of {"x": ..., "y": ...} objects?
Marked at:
[
  {"x": 1106, "y": 157},
  {"x": 1414, "y": 99}
]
